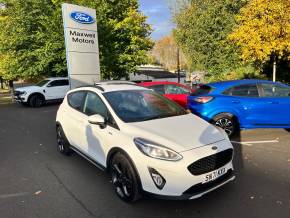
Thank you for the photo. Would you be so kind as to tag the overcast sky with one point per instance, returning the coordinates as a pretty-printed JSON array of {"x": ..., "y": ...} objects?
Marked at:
[{"x": 159, "y": 16}]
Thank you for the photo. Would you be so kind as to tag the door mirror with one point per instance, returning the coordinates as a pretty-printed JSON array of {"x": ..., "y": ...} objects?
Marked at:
[{"x": 97, "y": 119}]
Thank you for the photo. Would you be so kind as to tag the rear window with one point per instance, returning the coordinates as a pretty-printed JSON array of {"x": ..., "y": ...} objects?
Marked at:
[{"x": 202, "y": 90}]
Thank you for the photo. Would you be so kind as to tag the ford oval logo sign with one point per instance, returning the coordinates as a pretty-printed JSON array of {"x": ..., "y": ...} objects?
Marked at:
[{"x": 81, "y": 17}]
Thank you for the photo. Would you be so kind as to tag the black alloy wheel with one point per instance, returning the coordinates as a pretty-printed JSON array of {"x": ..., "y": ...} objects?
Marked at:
[
  {"x": 124, "y": 178},
  {"x": 62, "y": 142}
]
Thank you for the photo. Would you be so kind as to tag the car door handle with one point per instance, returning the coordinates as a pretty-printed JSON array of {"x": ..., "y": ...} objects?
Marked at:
[
  {"x": 273, "y": 102},
  {"x": 236, "y": 102}
]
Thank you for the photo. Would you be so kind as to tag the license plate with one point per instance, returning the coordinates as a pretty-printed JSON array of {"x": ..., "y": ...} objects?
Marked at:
[{"x": 214, "y": 175}]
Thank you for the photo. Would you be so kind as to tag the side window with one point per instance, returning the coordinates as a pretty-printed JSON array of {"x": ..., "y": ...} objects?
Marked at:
[
  {"x": 76, "y": 100},
  {"x": 273, "y": 90},
  {"x": 63, "y": 82},
  {"x": 173, "y": 89},
  {"x": 249, "y": 90},
  {"x": 53, "y": 83},
  {"x": 94, "y": 105},
  {"x": 158, "y": 88}
]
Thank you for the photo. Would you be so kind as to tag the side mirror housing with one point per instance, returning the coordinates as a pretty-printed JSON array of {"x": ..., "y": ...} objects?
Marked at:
[{"x": 97, "y": 119}]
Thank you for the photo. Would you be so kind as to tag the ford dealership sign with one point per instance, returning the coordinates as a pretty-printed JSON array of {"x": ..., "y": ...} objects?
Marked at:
[{"x": 81, "y": 17}]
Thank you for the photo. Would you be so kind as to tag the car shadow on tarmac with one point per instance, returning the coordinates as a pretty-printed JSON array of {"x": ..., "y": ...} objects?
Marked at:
[{"x": 238, "y": 152}]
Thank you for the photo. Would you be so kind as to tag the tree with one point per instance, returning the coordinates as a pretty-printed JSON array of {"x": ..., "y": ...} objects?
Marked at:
[
  {"x": 32, "y": 39},
  {"x": 202, "y": 30},
  {"x": 165, "y": 53},
  {"x": 263, "y": 31}
]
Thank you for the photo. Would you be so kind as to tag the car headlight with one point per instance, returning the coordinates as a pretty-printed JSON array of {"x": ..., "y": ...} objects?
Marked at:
[
  {"x": 22, "y": 93},
  {"x": 156, "y": 150}
]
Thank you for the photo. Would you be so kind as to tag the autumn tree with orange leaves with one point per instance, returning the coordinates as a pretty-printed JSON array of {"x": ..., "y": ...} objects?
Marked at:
[{"x": 165, "y": 53}]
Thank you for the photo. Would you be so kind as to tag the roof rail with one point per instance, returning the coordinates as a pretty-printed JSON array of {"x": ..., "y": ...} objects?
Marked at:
[
  {"x": 92, "y": 86},
  {"x": 115, "y": 82}
]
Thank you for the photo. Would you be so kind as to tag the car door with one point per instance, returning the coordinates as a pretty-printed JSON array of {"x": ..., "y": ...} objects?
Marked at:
[
  {"x": 96, "y": 144},
  {"x": 276, "y": 100},
  {"x": 53, "y": 90},
  {"x": 63, "y": 85},
  {"x": 246, "y": 102},
  {"x": 75, "y": 119},
  {"x": 177, "y": 93}
]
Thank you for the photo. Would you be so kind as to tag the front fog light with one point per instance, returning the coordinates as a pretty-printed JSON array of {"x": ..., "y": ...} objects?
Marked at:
[{"x": 158, "y": 180}]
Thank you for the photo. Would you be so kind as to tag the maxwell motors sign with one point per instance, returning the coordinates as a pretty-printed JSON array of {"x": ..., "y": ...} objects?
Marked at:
[{"x": 81, "y": 40}]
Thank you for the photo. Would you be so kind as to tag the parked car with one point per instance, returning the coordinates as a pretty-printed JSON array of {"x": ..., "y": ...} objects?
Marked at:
[
  {"x": 172, "y": 90},
  {"x": 46, "y": 90},
  {"x": 243, "y": 104},
  {"x": 146, "y": 142}
]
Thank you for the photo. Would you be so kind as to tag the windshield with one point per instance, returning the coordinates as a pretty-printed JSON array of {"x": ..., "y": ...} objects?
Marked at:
[
  {"x": 42, "y": 83},
  {"x": 141, "y": 105}
]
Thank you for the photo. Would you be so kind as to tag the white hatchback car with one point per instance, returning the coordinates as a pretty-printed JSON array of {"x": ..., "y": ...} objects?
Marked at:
[{"x": 146, "y": 142}]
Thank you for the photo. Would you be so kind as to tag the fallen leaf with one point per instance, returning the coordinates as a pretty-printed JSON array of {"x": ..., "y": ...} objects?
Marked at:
[{"x": 37, "y": 193}]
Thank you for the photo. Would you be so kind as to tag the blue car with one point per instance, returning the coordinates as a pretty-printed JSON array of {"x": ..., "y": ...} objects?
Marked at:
[{"x": 243, "y": 104}]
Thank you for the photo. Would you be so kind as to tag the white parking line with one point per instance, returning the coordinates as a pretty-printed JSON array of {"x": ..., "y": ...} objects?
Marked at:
[
  {"x": 13, "y": 195},
  {"x": 255, "y": 142}
]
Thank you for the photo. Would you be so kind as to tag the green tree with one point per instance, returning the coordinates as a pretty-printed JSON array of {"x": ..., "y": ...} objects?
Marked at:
[
  {"x": 202, "y": 30},
  {"x": 32, "y": 40},
  {"x": 263, "y": 32}
]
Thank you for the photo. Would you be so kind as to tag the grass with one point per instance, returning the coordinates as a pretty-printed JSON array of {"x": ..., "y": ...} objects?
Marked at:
[
  {"x": 5, "y": 97},
  {"x": 4, "y": 91},
  {"x": 5, "y": 100}
]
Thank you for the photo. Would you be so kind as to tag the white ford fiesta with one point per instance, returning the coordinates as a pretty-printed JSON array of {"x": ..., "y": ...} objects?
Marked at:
[{"x": 147, "y": 143}]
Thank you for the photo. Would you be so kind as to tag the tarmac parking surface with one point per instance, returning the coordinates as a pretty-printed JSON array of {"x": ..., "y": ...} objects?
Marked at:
[{"x": 37, "y": 181}]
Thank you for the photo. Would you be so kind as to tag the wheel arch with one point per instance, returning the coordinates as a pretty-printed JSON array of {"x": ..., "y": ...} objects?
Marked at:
[
  {"x": 224, "y": 110},
  {"x": 116, "y": 150},
  {"x": 36, "y": 93}
]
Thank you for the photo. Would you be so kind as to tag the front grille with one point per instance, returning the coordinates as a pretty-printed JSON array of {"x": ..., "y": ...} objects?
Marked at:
[
  {"x": 200, "y": 188},
  {"x": 210, "y": 163}
]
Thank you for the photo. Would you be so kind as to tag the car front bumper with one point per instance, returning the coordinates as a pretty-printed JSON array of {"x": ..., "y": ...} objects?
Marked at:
[
  {"x": 198, "y": 190},
  {"x": 20, "y": 98},
  {"x": 180, "y": 182}
]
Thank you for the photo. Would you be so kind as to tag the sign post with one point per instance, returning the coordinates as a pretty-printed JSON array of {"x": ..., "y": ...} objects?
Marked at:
[{"x": 81, "y": 42}]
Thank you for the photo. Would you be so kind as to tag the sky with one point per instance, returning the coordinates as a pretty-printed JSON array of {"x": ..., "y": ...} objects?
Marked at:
[{"x": 159, "y": 16}]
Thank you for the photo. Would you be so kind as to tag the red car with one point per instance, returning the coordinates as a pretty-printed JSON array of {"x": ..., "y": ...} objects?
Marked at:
[{"x": 171, "y": 90}]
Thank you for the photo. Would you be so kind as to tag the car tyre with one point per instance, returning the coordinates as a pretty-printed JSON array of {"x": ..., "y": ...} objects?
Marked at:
[
  {"x": 124, "y": 178},
  {"x": 36, "y": 100},
  {"x": 227, "y": 122},
  {"x": 288, "y": 130},
  {"x": 63, "y": 145}
]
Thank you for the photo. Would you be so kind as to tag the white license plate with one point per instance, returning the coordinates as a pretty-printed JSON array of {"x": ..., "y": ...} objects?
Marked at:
[{"x": 214, "y": 175}]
